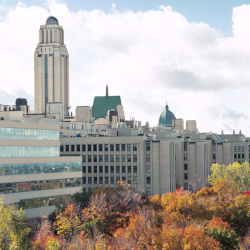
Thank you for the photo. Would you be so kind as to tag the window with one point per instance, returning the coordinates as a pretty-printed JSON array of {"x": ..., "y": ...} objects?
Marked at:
[
  {"x": 128, "y": 147},
  {"x": 117, "y": 158},
  {"x": 100, "y": 180},
  {"x": 129, "y": 158},
  {"x": 95, "y": 158},
  {"x": 148, "y": 169},
  {"x": 117, "y": 169},
  {"x": 95, "y": 180},
  {"x": 238, "y": 155},
  {"x": 148, "y": 191},
  {"x": 89, "y": 180},
  {"x": 135, "y": 179},
  {"x": 83, "y": 147},
  {"x": 185, "y": 146},
  {"x": 112, "y": 180},
  {"x": 100, "y": 169},
  {"x": 242, "y": 149},
  {"x": 185, "y": 176},
  {"x": 89, "y": 169},
  {"x": 235, "y": 149},
  {"x": 67, "y": 148},
  {"x": 123, "y": 147},
  {"x": 148, "y": 145},
  {"x": 135, "y": 169},
  {"x": 148, "y": 179},
  {"x": 78, "y": 148},
  {"x": 111, "y": 158},
  {"x": 129, "y": 169},
  {"x": 214, "y": 156},
  {"x": 134, "y": 147},
  {"x": 111, "y": 147},
  {"x": 100, "y": 158},
  {"x": 106, "y": 147},
  {"x": 214, "y": 147},
  {"x": 61, "y": 148},
  {"x": 83, "y": 180},
  {"x": 123, "y": 169},
  {"x": 123, "y": 158},
  {"x": 95, "y": 169},
  {"x": 117, "y": 179},
  {"x": 89, "y": 147},
  {"x": 72, "y": 148},
  {"x": 106, "y": 180},
  {"x": 84, "y": 158},
  {"x": 95, "y": 147},
  {"x": 185, "y": 186},
  {"x": 134, "y": 158},
  {"x": 117, "y": 147},
  {"x": 84, "y": 169},
  {"x": 147, "y": 157},
  {"x": 185, "y": 166},
  {"x": 185, "y": 157},
  {"x": 235, "y": 156},
  {"x": 89, "y": 158},
  {"x": 106, "y": 169},
  {"x": 112, "y": 169},
  {"x": 129, "y": 179},
  {"x": 100, "y": 147},
  {"x": 243, "y": 156},
  {"x": 106, "y": 158},
  {"x": 238, "y": 148}
]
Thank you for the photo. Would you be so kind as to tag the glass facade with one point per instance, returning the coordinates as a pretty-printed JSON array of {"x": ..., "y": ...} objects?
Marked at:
[
  {"x": 26, "y": 151},
  {"x": 6, "y": 188},
  {"x": 39, "y": 168},
  {"x": 29, "y": 134},
  {"x": 44, "y": 202}
]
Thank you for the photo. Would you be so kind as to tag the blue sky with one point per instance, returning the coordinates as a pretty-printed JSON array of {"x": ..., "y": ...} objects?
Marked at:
[
  {"x": 217, "y": 13},
  {"x": 194, "y": 54}
]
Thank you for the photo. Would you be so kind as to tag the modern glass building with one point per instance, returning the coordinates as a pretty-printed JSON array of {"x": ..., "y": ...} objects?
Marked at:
[{"x": 32, "y": 174}]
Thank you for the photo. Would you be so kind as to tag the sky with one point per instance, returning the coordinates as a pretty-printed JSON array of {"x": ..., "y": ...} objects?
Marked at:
[{"x": 193, "y": 54}]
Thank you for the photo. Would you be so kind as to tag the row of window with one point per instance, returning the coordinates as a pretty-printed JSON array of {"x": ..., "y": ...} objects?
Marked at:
[
  {"x": 27, "y": 151},
  {"x": 98, "y": 147},
  {"x": 239, "y": 149},
  {"x": 28, "y": 134},
  {"x": 110, "y": 169},
  {"x": 106, "y": 179},
  {"x": 109, "y": 158},
  {"x": 239, "y": 156},
  {"x": 6, "y": 188},
  {"x": 100, "y": 180},
  {"x": 40, "y": 168},
  {"x": 44, "y": 201}
]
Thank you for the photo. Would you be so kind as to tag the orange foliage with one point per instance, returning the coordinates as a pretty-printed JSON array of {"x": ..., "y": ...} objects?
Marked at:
[
  {"x": 195, "y": 238},
  {"x": 217, "y": 223}
]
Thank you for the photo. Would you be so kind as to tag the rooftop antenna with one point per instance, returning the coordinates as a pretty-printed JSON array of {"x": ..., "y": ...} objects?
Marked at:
[{"x": 107, "y": 90}]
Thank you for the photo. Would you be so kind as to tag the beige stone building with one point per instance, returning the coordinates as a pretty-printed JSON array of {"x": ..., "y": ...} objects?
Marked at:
[{"x": 51, "y": 67}]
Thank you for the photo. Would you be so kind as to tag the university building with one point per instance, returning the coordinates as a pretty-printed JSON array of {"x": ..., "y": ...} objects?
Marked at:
[{"x": 48, "y": 154}]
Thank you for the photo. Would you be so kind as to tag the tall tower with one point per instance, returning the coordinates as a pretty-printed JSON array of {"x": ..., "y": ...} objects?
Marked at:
[{"x": 51, "y": 67}]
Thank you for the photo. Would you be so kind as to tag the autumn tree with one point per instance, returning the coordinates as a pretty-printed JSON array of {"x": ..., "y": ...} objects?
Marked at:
[
  {"x": 111, "y": 210},
  {"x": 67, "y": 223},
  {"x": 236, "y": 173},
  {"x": 13, "y": 230}
]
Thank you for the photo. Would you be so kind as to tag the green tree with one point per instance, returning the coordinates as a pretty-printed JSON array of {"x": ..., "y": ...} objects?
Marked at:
[
  {"x": 13, "y": 230},
  {"x": 237, "y": 173}
]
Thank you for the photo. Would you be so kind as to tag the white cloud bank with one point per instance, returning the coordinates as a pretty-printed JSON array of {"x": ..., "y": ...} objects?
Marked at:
[{"x": 145, "y": 57}]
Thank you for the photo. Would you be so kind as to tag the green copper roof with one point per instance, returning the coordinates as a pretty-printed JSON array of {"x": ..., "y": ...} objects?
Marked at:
[
  {"x": 166, "y": 118},
  {"x": 102, "y": 104}
]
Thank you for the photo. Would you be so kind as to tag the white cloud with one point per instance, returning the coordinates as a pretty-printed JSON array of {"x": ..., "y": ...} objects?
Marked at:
[{"x": 146, "y": 57}]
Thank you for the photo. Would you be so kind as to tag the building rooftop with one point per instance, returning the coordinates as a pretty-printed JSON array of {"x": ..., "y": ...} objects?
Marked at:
[{"x": 51, "y": 21}]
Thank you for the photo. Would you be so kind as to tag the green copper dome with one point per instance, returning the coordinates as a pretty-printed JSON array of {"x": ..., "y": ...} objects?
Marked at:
[{"x": 166, "y": 118}]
